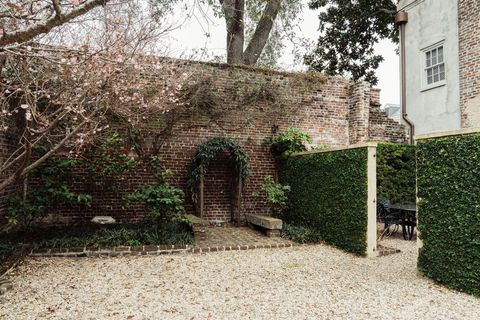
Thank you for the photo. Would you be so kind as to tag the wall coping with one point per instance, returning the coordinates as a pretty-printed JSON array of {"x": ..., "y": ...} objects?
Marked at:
[
  {"x": 352, "y": 146},
  {"x": 319, "y": 76},
  {"x": 447, "y": 133}
]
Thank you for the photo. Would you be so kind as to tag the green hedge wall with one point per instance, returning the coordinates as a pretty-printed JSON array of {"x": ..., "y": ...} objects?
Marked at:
[
  {"x": 449, "y": 210},
  {"x": 396, "y": 179},
  {"x": 329, "y": 195}
]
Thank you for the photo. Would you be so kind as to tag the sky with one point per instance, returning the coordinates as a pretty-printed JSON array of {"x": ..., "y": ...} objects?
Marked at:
[{"x": 190, "y": 37}]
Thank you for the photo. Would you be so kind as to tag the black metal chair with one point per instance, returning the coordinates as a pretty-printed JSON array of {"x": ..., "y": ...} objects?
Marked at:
[
  {"x": 391, "y": 220},
  {"x": 382, "y": 208}
]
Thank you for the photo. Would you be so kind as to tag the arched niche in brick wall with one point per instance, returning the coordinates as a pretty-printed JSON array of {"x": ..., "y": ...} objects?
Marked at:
[{"x": 201, "y": 160}]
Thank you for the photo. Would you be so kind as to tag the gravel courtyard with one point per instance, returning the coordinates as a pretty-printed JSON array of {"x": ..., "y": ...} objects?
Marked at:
[{"x": 312, "y": 282}]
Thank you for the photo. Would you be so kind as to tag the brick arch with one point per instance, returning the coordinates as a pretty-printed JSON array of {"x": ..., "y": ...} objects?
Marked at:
[{"x": 226, "y": 175}]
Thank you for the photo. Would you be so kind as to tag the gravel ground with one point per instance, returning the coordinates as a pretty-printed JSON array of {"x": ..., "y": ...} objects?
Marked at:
[{"x": 312, "y": 282}]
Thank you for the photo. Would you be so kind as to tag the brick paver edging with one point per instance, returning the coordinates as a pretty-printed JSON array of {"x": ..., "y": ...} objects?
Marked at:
[{"x": 147, "y": 250}]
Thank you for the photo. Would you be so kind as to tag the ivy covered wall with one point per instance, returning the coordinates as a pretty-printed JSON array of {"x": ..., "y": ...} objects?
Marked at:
[
  {"x": 329, "y": 193},
  {"x": 449, "y": 210},
  {"x": 396, "y": 180}
]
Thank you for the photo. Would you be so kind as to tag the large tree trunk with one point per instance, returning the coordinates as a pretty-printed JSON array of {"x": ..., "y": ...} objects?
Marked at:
[
  {"x": 234, "y": 11},
  {"x": 262, "y": 32}
]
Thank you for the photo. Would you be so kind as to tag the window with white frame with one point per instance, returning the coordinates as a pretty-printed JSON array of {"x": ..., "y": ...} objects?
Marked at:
[{"x": 434, "y": 66}]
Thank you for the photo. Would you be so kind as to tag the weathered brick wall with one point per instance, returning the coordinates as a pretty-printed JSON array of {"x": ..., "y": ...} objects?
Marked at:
[
  {"x": 332, "y": 110},
  {"x": 382, "y": 128},
  {"x": 8, "y": 144},
  {"x": 469, "y": 58},
  {"x": 219, "y": 187}
]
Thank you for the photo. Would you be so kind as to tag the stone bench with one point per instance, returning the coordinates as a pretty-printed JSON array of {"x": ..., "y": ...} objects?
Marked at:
[
  {"x": 271, "y": 226},
  {"x": 199, "y": 226}
]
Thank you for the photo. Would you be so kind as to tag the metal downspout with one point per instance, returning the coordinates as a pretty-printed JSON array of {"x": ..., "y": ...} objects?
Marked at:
[{"x": 401, "y": 19}]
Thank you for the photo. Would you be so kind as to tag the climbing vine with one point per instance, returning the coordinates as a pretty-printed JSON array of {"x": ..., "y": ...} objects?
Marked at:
[
  {"x": 109, "y": 161},
  {"x": 206, "y": 152},
  {"x": 51, "y": 187},
  {"x": 242, "y": 95}
]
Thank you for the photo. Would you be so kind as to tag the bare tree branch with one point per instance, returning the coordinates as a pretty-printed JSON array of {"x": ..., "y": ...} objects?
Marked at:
[{"x": 47, "y": 24}]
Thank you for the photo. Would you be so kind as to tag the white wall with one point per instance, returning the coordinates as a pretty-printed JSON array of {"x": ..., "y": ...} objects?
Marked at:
[{"x": 429, "y": 22}]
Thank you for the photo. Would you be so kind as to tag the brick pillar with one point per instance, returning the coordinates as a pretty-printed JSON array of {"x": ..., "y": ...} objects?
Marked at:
[
  {"x": 469, "y": 59},
  {"x": 359, "y": 110}
]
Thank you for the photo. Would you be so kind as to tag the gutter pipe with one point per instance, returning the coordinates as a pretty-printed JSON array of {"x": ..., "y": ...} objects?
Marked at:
[{"x": 401, "y": 19}]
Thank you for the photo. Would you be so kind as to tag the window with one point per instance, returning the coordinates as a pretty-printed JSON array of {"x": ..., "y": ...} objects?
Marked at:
[{"x": 434, "y": 66}]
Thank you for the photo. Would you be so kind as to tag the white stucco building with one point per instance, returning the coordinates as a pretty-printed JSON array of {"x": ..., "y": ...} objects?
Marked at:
[{"x": 442, "y": 63}]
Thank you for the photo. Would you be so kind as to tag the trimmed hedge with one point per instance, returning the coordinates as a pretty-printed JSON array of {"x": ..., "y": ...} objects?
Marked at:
[
  {"x": 396, "y": 179},
  {"x": 449, "y": 210},
  {"x": 329, "y": 196}
]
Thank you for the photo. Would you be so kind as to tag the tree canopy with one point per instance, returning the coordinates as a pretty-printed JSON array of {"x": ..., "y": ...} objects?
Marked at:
[
  {"x": 256, "y": 29},
  {"x": 348, "y": 32}
]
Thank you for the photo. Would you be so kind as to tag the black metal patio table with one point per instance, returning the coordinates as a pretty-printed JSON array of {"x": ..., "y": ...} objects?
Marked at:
[{"x": 407, "y": 216}]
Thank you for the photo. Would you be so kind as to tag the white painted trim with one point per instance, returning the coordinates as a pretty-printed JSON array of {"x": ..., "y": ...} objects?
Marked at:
[
  {"x": 434, "y": 85},
  {"x": 352, "y": 146},
  {"x": 434, "y": 45},
  {"x": 425, "y": 86},
  {"x": 447, "y": 133},
  {"x": 372, "y": 202}
]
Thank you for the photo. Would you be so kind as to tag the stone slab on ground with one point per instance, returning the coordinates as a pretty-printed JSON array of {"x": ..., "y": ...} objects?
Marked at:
[
  {"x": 199, "y": 226},
  {"x": 265, "y": 222},
  {"x": 103, "y": 220}
]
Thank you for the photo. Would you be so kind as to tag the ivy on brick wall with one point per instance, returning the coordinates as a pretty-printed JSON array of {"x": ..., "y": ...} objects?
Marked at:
[
  {"x": 50, "y": 187},
  {"x": 396, "y": 173},
  {"x": 206, "y": 152},
  {"x": 449, "y": 210},
  {"x": 329, "y": 195}
]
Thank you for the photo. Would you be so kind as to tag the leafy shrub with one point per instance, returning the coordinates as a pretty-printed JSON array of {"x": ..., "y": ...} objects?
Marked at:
[
  {"x": 301, "y": 234},
  {"x": 329, "y": 195},
  {"x": 448, "y": 210},
  {"x": 396, "y": 170},
  {"x": 164, "y": 202},
  {"x": 6, "y": 248},
  {"x": 275, "y": 194},
  {"x": 145, "y": 233},
  {"x": 291, "y": 141},
  {"x": 49, "y": 188},
  {"x": 109, "y": 161}
]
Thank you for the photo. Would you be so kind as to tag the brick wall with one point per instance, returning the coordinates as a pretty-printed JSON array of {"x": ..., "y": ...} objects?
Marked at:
[
  {"x": 8, "y": 144},
  {"x": 469, "y": 58},
  {"x": 382, "y": 128},
  {"x": 332, "y": 110}
]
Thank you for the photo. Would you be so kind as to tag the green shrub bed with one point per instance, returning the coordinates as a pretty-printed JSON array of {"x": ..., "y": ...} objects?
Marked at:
[
  {"x": 396, "y": 167},
  {"x": 300, "y": 234},
  {"x": 6, "y": 248},
  {"x": 449, "y": 210},
  {"x": 103, "y": 236},
  {"x": 328, "y": 198}
]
